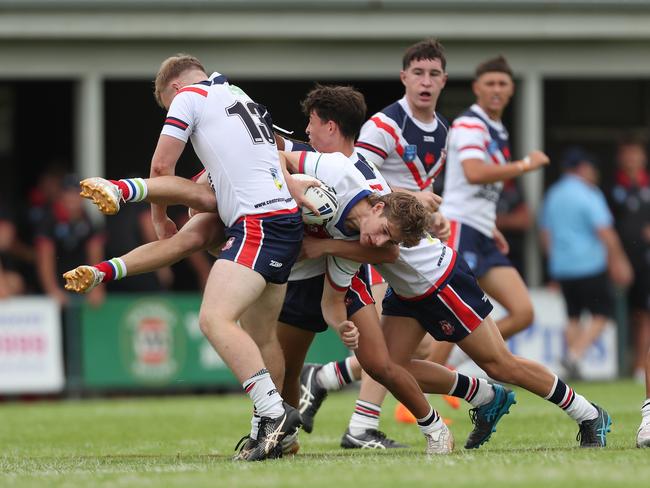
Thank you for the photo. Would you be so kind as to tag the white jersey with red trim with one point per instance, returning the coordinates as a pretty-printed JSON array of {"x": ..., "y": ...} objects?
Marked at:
[
  {"x": 474, "y": 135},
  {"x": 352, "y": 179},
  {"x": 419, "y": 270},
  {"x": 235, "y": 144},
  {"x": 409, "y": 153}
]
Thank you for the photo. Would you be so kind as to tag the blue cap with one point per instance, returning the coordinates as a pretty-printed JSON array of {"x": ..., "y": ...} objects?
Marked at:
[{"x": 574, "y": 156}]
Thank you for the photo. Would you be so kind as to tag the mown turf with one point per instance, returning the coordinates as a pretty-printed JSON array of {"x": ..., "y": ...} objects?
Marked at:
[{"x": 188, "y": 441}]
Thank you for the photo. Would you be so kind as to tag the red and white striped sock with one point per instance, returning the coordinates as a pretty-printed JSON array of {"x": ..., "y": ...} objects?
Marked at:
[
  {"x": 576, "y": 406},
  {"x": 133, "y": 189},
  {"x": 365, "y": 417},
  {"x": 113, "y": 269},
  {"x": 335, "y": 375},
  {"x": 476, "y": 391}
]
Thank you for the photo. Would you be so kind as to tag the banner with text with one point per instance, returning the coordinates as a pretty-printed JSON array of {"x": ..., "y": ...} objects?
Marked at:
[
  {"x": 154, "y": 341},
  {"x": 31, "y": 358},
  {"x": 544, "y": 340}
]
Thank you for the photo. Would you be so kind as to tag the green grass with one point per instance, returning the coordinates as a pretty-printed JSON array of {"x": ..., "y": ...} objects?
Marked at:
[{"x": 188, "y": 441}]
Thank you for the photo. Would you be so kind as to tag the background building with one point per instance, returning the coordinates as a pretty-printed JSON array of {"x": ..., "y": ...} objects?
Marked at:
[{"x": 75, "y": 76}]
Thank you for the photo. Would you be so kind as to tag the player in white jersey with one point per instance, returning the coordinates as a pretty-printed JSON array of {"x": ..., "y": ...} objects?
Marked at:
[
  {"x": 478, "y": 161},
  {"x": 407, "y": 142},
  {"x": 434, "y": 291},
  {"x": 264, "y": 227}
]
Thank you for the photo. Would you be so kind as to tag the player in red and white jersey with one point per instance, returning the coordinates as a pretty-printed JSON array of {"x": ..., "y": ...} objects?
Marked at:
[
  {"x": 406, "y": 140},
  {"x": 451, "y": 306},
  {"x": 263, "y": 227},
  {"x": 478, "y": 161},
  {"x": 245, "y": 184}
]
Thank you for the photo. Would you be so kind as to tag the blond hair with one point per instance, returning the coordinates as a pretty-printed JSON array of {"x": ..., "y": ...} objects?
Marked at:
[
  {"x": 172, "y": 68},
  {"x": 406, "y": 213}
]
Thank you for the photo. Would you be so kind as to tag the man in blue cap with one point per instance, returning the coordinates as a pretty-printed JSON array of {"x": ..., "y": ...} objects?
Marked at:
[{"x": 585, "y": 253}]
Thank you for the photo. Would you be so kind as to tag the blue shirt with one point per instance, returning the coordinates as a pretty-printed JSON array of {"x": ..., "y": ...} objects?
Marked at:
[{"x": 572, "y": 213}]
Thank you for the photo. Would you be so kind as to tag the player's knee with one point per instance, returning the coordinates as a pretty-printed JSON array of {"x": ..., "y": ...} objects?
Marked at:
[
  {"x": 381, "y": 371},
  {"x": 524, "y": 315}
]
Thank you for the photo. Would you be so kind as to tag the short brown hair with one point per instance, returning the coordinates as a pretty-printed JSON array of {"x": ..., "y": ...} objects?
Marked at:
[
  {"x": 343, "y": 105},
  {"x": 498, "y": 64},
  {"x": 427, "y": 49},
  {"x": 406, "y": 213},
  {"x": 171, "y": 68}
]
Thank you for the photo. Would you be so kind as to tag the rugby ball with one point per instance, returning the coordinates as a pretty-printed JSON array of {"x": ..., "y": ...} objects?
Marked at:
[{"x": 323, "y": 198}]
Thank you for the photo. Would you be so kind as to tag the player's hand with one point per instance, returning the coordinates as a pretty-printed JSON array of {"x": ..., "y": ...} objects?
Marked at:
[
  {"x": 440, "y": 227},
  {"x": 313, "y": 247},
  {"x": 165, "y": 228},
  {"x": 536, "y": 159},
  {"x": 430, "y": 200},
  {"x": 501, "y": 242},
  {"x": 297, "y": 188},
  {"x": 349, "y": 334}
]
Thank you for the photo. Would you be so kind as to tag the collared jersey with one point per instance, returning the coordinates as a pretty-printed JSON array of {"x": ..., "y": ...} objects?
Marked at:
[
  {"x": 353, "y": 179},
  {"x": 235, "y": 145},
  {"x": 474, "y": 136},
  {"x": 409, "y": 153}
]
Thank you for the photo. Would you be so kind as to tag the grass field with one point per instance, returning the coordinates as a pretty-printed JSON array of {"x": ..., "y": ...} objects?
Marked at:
[{"x": 188, "y": 442}]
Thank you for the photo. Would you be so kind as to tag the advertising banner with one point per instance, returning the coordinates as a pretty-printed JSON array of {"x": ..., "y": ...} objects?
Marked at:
[
  {"x": 31, "y": 359},
  {"x": 544, "y": 340},
  {"x": 154, "y": 341}
]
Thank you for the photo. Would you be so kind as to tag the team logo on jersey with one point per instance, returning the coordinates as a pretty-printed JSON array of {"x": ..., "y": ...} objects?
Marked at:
[
  {"x": 410, "y": 152},
  {"x": 493, "y": 147},
  {"x": 429, "y": 158},
  {"x": 228, "y": 244},
  {"x": 446, "y": 327},
  {"x": 276, "y": 178}
]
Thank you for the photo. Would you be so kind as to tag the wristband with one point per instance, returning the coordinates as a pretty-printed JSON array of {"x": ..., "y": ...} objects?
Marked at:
[{"x": 526, "y": 160}]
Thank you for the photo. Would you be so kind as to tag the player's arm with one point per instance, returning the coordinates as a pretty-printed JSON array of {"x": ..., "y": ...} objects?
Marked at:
[
  {"x": 163, "y": 163},
  {"x": 477, "y": 172},
  {"x": 352, "y": 250},
  {"x": 336, "y": 315},
  {"x": 374, "y": 142},
  {"x": 290, "y": 163}
]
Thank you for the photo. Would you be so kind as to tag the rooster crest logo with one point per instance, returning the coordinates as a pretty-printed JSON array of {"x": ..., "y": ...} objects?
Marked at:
[{"x": 446, "y": 327}]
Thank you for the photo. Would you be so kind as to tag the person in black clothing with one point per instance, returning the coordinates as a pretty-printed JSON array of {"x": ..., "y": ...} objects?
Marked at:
[{"x": 630, "y": 202}]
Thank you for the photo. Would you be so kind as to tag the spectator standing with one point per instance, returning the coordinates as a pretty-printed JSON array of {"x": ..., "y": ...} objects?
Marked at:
[
  {"x": 64, "y": 235},
  {"x": 583, "y": 246},
  {"x": 630, "y": 203}
]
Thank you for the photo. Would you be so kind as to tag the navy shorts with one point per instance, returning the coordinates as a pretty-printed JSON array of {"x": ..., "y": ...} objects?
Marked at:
[
  {"x": 302, "y": 308},
  {"x": 452, "y": 312},
  {"x": 592, "y": 293},
  {"x": 478, "y": 250},
  {"x": 266, "y": 243}
]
